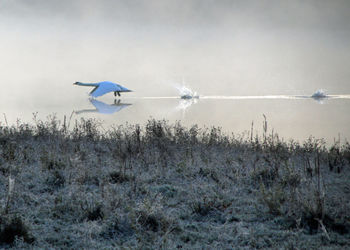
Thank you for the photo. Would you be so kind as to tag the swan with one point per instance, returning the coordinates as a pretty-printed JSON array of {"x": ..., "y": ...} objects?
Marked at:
[{"x": 105, "y": 87}]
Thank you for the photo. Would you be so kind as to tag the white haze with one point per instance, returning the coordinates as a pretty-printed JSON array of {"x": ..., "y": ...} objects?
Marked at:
[{"x": 244, "y": 47}]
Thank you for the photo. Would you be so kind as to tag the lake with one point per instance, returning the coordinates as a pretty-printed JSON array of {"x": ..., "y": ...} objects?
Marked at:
[{"x": 291, "y": 117}]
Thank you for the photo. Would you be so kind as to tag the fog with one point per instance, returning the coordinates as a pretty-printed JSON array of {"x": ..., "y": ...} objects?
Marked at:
[
  {"x": 262, "y": 47},
  {"x": 218, "y": 48}
]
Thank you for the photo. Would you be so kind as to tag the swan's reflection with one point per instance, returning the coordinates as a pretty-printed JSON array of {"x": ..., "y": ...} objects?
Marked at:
[{"x": 104, "y": 108}]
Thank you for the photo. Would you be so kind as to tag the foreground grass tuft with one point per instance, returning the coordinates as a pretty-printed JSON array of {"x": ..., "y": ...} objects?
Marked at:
[{"x": 12, "y": 228}]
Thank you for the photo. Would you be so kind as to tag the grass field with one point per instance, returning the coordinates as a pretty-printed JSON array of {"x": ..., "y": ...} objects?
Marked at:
[{"x": 165, "y": 186}]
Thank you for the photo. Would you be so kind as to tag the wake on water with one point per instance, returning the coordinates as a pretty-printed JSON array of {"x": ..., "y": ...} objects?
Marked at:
[
  {"x": 187, "y": 93},
  {"x": 320, "y": 93},
  {"x": 188, "y": 97}
]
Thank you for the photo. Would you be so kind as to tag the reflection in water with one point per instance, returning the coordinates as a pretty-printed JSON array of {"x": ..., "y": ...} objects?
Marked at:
[
  {"x": 320, "y": 100},
  {"x": 104, "y": 108},
  {"x": 185, "y": 103}
]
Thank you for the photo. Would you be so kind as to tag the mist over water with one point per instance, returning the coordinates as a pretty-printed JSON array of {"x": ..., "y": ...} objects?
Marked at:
[{"x": 230, "y": 49}]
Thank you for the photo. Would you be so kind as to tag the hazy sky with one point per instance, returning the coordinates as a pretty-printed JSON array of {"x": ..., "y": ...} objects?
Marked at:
[{"x": 219, "y": 47}]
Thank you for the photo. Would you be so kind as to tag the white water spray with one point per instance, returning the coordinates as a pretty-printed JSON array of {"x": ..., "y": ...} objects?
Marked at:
[
  {"x": 320, "y": 93},
  {"x": 185, "y": 92}
]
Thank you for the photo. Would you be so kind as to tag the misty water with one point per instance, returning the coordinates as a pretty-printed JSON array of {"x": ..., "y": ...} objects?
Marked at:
[{"x": 243, "y": 59}]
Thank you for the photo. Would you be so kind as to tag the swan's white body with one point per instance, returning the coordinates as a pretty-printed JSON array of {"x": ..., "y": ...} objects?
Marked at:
[{"x": 105, "y": 87}]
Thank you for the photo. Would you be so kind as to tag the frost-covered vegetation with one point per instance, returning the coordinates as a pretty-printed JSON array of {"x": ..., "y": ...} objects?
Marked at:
[{"x": 165, "y": 186}]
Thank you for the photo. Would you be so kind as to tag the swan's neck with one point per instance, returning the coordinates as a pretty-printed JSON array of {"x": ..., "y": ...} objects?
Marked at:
[{"x": 86, "y": 84}]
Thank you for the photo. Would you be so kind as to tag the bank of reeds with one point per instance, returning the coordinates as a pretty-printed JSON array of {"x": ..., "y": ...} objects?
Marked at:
[{"x": 163, "y": 185}]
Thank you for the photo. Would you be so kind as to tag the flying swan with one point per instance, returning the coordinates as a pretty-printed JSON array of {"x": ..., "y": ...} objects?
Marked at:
[{"x": 105, "y": 87}]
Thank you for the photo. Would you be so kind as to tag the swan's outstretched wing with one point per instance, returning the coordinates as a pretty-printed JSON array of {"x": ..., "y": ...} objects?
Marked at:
[
  {"x": 102, "y": 89},
  {"x": 93, "y": 90}
]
